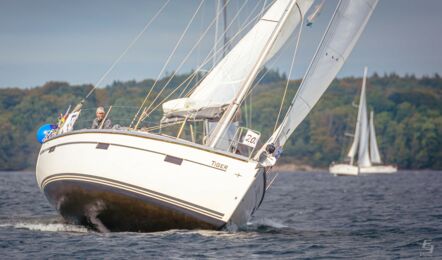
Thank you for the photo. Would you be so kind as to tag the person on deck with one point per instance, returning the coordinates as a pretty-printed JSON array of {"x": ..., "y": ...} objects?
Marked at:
[{"x": 100, "y": 113}]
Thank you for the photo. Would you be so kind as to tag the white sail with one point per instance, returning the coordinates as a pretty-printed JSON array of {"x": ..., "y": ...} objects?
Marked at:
[
  {"x": 224, "y": 82},
  {"x": 289, "y": 27},
  {"x": 346, "y": 26},
  {"x": 374, "y": 151},
  {"x": 354, "y": 145},
  {"x": 363, "y": 155}
]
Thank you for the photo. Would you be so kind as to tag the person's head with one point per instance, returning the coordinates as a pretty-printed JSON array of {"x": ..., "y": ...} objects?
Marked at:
[{"x": 100, "y": 113}]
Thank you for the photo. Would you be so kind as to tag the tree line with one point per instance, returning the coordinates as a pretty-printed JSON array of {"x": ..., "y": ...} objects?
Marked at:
[{"x": 407, "y": 111}]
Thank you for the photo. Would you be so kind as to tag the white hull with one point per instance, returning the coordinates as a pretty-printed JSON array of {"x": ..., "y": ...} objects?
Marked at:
[
  {"x": 154, "y": 182},
  {"x": 352, "y": 170}
]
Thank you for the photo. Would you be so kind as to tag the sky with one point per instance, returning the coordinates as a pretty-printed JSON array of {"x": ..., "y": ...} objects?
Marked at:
[{"x": 77, "y": 41}]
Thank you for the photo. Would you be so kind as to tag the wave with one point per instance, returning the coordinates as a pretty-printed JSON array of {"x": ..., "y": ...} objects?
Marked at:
[
  {"x": 266, "y": 222},
  {"x": 264, "y": 225}
]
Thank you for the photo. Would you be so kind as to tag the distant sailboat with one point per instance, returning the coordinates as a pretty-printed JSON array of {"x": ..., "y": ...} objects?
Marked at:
[{"x": 364, "y": 143}]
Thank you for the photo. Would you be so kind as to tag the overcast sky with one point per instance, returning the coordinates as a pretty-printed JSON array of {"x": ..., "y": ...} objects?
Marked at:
[{"x": 77, "y": 41}]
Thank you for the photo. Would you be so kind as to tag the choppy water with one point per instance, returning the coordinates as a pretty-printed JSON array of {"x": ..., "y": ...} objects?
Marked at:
[{"x": 304, "y": 215}]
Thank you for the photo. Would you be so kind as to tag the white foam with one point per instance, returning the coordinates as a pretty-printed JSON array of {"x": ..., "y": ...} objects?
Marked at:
[
  {"x": 267, "y": 222},
  {"x": 53, "y": 227}
]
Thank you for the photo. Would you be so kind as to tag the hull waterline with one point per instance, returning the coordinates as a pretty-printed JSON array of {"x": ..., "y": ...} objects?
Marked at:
[{"x": 352, "y": 170}]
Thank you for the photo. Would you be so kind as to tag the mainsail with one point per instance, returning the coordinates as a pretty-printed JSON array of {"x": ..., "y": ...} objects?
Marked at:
[
  {"x": 347, "y": 24},
  {"x": 363, "y": 155},
  {"x": 357, "y": 136},
  {"x": 374, "y": 151},
  {"x": 229, "y": 76}
]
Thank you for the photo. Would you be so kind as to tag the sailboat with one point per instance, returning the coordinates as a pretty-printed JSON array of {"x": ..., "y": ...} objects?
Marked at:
[
  {"x": 133, "y": 179},
  {"x": 369, "y": 159}
]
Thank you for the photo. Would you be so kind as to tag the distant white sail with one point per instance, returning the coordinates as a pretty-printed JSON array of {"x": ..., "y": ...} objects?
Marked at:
[
  {"x": 357, "y": 136},
  {"x": 374, "y": 151},
  {"x": 363, "y": 155},
  {"x": 224, "y": 82},
  {"x": 347, "y": 24},
  {"x": 354, "y": 146}
]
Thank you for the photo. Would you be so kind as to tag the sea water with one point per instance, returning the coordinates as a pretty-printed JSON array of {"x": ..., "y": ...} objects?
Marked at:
[{"x": 304, "y": 215}]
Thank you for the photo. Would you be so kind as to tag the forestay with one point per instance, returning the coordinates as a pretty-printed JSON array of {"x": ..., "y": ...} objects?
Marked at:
[
  {"x": 228, "y": 77},
  {"x": 347, "y": 24}
]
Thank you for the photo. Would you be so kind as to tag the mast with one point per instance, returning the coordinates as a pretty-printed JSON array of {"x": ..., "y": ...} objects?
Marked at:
[
  {"x": 231, "y": 111},
  {"x": 225, "y": 28},
  {"x": 215, "y": 45},
  {"x": 218, "y": 9}
]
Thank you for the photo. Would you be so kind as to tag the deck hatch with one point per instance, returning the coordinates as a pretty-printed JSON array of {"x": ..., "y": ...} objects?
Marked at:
[
  {"x": 174, "y": 160},
  {"x": 102, "y": 146}
]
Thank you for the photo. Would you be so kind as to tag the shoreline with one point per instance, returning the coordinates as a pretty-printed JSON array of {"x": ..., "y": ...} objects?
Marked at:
[{"x": 292, "y": 167}]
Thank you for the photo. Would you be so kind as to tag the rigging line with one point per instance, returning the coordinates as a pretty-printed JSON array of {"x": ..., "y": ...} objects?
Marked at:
[
  {"x": 245, "y": 110},
  {"x": 206, "y": 61},
  {"x": 128, "y": 47},
  {"x": 271, "y": 182},
  {"x": 142, "y": 117},
  {"x": 264, "y": 6},
  {"x": 198, "y": 54},
  {"x": 193, "y": 76},
  {"x": 251, "y": 75},
  {"x": 208, "y": 57},
  {"x": 311, "y": 65},
  {"x": 226, "y": 43},
  {"x": 249, "y": 113},
  {"x": 219, "y": 40},
  {"x": 275, "y": 59},
  {"x": 215, "y": 42},
  {"x": 168, "y": 60},
  {"x": 230, "y": 41},
  {"x": 251, "y": 110},
  {"x": 291, "y": 68},
  {"x": 156, "y": 127},
  {"x": 188, "y": 80},
  {"x": 190, "y": 52},
  {"x": 238, "y": 22},
  {"x": 225, "y": 35}
]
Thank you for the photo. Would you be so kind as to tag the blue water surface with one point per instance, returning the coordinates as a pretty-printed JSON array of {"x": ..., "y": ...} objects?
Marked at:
[{"x": 304, "y": 215}]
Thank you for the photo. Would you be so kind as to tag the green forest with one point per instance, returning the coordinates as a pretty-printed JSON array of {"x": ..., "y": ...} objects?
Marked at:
[{"x": 408, "y": 117}]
